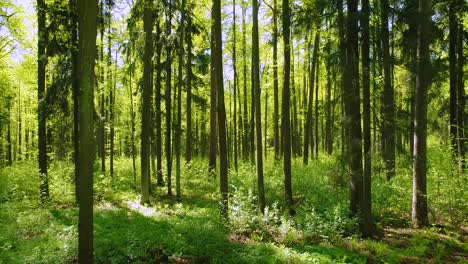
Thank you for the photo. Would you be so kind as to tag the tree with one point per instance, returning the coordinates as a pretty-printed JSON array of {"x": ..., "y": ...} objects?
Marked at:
[
  {"x": 423, "y": 82},
  {"x": 256, "y": 102},
  {"x": 213, "y": 107},
  {"x": 388, "y": 101},
  {"x": 146, "y": 100},
  {"x": 217, "y": 54},
  {"x": 168, "y": 99},
  {"x": 285, "y": 115},
  {"x": 188, "y": 142},
  {"x": 276, "y": 137},
  {"x": 178, "y": 129},
  {"x": 87, "y": 31},
  {"x": 353, "y": 118},
  {"x": 41, "y": 114},
  {"x": 366, "y": 188}
]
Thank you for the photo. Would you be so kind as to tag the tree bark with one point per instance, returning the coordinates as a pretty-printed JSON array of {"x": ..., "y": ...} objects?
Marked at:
[
  {"x": 146, "y": 101},
  {"x": 168, "y": 99},
  {"x": 388, "y": 101},
  {"x": 221, "y": 111},
  {"x": 178, "y": 129},
  {"x": 423, "y": 83},
  {"x": 87, "y": 30},
  {"x": 256, "y": 94},
  {"x": 366, "y": 188},
  {"x": 285, "y": 114},
  {"x": 41, "y": 71}
]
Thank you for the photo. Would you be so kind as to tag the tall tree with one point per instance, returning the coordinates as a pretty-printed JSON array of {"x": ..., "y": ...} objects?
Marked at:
[
  {"x": 87, "y": 31},
  {"x": 168, "y": 98},
  {"x": 256, "y": 93},
  {"x": 461, "y": 115},
  {"x": 146, "y": 100},
  {"x": 159, "y": 69},
  {"x": 366, "y": 188},
  {"x": 234, "y": 61},
  {"x": 353, "y": 114},
  {"x": 41, "y": 84},
  {"x": 188, "y": 142},
  {"x": 308, "y": 124},
  {"x": 276, "y": 137},
  {"x": 178, "y": 129},
  {"x": 285, "y": 114},
  {"x": 423, "y": 82},
  {"x": 213, "y": 97},
  {"x": 221, "y": 110},
  {"x": 388, "y": 101}
]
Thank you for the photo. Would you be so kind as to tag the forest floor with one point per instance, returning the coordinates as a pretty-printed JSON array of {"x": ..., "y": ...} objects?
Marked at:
[{"x": 189, "y": 229}]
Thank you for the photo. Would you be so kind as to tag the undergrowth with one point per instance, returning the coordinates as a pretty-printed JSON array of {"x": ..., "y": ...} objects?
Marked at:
[{"x": 190, "y": 229}]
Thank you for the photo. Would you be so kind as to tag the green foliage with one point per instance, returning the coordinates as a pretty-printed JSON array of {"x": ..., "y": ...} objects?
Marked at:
[{"x": 190, "y": 229}]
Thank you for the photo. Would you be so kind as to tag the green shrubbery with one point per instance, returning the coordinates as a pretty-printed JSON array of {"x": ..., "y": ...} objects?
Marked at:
[{"x": 190, "y": 229}]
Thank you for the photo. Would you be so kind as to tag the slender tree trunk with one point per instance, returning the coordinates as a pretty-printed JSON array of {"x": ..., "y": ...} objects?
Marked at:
[
  {"x": 366, "y": 188},
  {"x": 244, "y": 72},
  {"x": 158, "y": 105},
  {"x": 285, "y": 115},
  {"x": 111, "y": 95},
  {"x": 132, "y": 121},
  {"x": 352, "y": 109},
  {"x": 41, "y": 84},
  {"x": 146, "y": 101},
  {"x": 178, "y": 129},
  {"x": 462, "y": 119},
  {"x": 188, "y": 142},
  {"x": 9, "y": 143},
  {"x": 256, "y": 94},
  {"x": 388, "y": 102},
  {"x": 276, "y": 136},
  {"x": 316, "y": 134},
  {"x": 87, "y": 29},
  {"x": 213, "y": 130},
  {"x": 218, "y": 70},
  {"x": 168, "y": 100},
  {"x": 453, "y": 34},
  {"x": 423, "y": 82},
  {"x": 234, "y": 61},
  {"x": 308, "y": 135},
  {"x": 328, "y": 115}
]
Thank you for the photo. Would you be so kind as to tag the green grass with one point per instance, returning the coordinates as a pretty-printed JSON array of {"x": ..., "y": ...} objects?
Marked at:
[{"x": 190, "y": 229}]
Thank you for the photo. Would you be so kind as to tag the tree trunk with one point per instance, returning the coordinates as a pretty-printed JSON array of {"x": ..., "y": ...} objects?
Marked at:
[
  {"x": 244, "y": 72},
  {"x": 146, "y": 101},
  {"x": 236, "y": 144},
  {"x": 256, "y": 94},
  {"x": 41, "y": 117},
  {"x": 285, "y": 115},
  {"x": 388, "y": 102},
  {"x": 218, "y": 70},
  {"x": 87, "y": 29},
  {"x": 308, "y": 124},
  {"x": 276, "y": 136},
  {"x": 461, "y": 116},
  {"x": 168, "y": 100},
  {"x": 423, "y": 82},
  {"x": 352, "y": 109},
  {"x": 366, "y": 188},
  {"x": 188, "y": 142},
  {"x": 178, "y": 129},
  {"x": 213, "y": 130},
  {"x": 158, "y": 105}
]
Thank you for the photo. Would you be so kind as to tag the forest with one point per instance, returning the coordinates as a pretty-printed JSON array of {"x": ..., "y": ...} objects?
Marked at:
[{"x": 233, "y": 131}]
